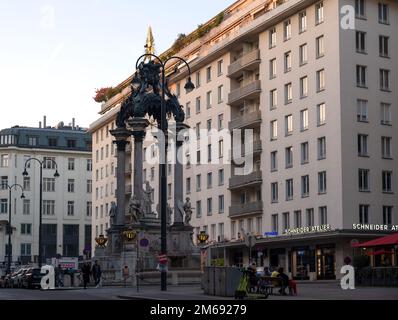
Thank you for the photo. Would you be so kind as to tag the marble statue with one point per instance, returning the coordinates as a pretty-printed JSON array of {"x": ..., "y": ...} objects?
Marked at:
[
  {"x": 147, "y": 199},
  {"x": 112, "y": 213},
  {"x": 135, "y": 210},
  {"x": 188, "y": 211}
]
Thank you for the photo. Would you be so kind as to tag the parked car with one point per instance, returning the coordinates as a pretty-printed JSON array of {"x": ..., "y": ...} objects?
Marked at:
[
  {"x": 18, "y": 277},
  {"x": 32, "y": 278}
]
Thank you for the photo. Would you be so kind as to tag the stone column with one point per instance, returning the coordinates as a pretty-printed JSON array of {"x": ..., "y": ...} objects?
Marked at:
[
  {"x": 139, "y": 126},
  {"x": 121, "y": 135},
  {"x": 178, "y": 179}
]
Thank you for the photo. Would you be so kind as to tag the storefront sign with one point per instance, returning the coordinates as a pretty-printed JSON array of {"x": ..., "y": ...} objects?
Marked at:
[
  {"x": 271, "y": 234},
  {"x": 322, "y": 228},
  {"x": 374, "y": 227}
]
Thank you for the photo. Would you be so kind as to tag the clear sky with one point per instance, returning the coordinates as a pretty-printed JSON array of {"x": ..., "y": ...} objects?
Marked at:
[{"x": 54, "y": 54}]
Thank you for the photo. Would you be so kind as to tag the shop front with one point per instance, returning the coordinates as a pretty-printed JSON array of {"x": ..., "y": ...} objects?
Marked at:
[
  {"x": 326, "y": 262},
  {"x": 302, "y": 262}
]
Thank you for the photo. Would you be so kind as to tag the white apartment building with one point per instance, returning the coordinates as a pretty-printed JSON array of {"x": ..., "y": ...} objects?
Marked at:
[
  {"x": 66, "y": 199},
  {"x": 319, "y": 97}
]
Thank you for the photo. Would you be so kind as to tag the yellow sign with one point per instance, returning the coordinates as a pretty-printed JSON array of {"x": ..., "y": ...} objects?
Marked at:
[{"x": 130, "y": 235}]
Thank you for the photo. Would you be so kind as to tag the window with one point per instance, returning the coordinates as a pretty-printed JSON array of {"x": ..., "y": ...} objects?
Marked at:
[
  {"x": 209, "y": 180},
  {"x": 178, "y": 89},
  {"x": 272, "y": 68},
  {"x": 89, "y": 208},
  {"x": 221, "y": 204},
  {"x": 383, "y": 13},
  {"x": 71, "y": 164},
  {"x": 259, "y": 224},
  {"x": 89, "y": 186},
  {"x": 209, "y": 206},
  {"x": 384, "y": 80},
  {"x": 274, "y": 161},
  {"x": 274, "y": 129},
  {"x": 304, "y": 119},
  {"x": 289, "y": 189},
  {"x": 197, "y": 130},
  {"x": 310, "y": 217},
  {"x": 26, "y": 207},
  {"x": 220, "y": 94},
  {"x": 287, "y": 30},
  {"x": 52, "y": 142},
  {"x": 322, "y": 148},
  {"x": 360, "y": 41},
  {"x": 32, "y": 141},
  {"x": 360, "y": 9},
  {"x": 362, "y": 110},
  {"x": 4, "y": 160},
  {"x": 386, "y": 147},
  {"x": 288, "y": 93},
  {"x": 49, "y": 184},
  {"x": 319, "y": 13},
  {"x": 220, "y": 121},
  {"x": 26, "y": 229},
  {"x": 321, "y": 114},
  {"x": 198, "y": 157},
  {"x": 273, "y": 99},
  {"x": 213, "y": 232},
  {"x": 3, "y": 183},
  {"x": 26, "y": 183},
  {"x": 387, "y": 181},
  {"x": 303, "y": 54},
  {"x": 3, "y": 206},
  {"x": 363, "y": 182},
  {"x": 272, "y": 38},
  {"x": 48, "y": 207},
  {"x": 96, "y": 155},
  {"x": 198, "y": 105},
  {"x": 107, "y": 151},
  {"x": 49, "y": 163},
  {"x": 274, "y": 192},
  {"x": 297, "y": 219},
  {"x": 322, "y": 188},
  {"x": 361, "y": 76},
  {"x": 289, "y": 157},
  {"x": 198, "y": 182},
  {"x": 363, "y": 213},
  {"x": 26, "y": 249},
  {"x": 320, "y": 80},
  {"x": 188, "y": 185},
  {"x": 221, "y": 148},
  {"x": 208, "y": 74},
  {"x": 71, "y": 185},
  {"x": 302, "y": 21},
  {"x": 383, "y": 46},
  {"x": 198, "y": 79},
  {"x": 71, "y": 208},
  {"x": 323, "y": 215},
  {"x": 288, "y": 125},
  {"x": 208, "y": 123},
  {"x": 89, "y": 166},
  {"x": 70, "y": 143},
  {"x": 220, "y": 67},
  {"x": 288, "y": 61},
  {"x": 208, "y": 100},
  {"x": 169, "y": 191},
  {"x": 188, "y": 109},
  {"x": 320, "y": 47},
  {"x": 387, "y": 215},
  {"x": 304, "y": 153},
  {"x": 303, "y": 87},
  {"x": 274, "y": 223},
  {"x": 385, "y": 113},
  {"x": 362, "y": 145},
  {"x": 305, "y": 186},
  {"x": 221, "y": 177},
  {"x": 286, "y": 221}
]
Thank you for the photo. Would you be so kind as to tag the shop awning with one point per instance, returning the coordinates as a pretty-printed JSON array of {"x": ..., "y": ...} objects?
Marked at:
[{"x": 384, "y": 241}]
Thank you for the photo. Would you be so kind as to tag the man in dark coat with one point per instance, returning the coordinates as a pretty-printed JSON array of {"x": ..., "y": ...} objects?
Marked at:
[
  {"x": 86, "y": 270},
  {"x": 96, "y": 270}
]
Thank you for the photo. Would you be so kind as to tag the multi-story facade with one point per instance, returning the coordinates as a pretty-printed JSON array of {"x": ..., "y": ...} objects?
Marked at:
[
  {"x": 66, "y": 199},
  {"x": 316, "y": 86}
]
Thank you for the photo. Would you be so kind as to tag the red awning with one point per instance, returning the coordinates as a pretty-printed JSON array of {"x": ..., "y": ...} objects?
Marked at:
[{"x": 392, "y": 239}]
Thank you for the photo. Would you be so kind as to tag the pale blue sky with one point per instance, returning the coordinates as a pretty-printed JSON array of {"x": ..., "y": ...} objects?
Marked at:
[{"x": 53, "y": 54}]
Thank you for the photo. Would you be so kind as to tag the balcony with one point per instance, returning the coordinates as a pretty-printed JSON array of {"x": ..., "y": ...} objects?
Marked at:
[
  {"x": 247, "y": 120},
  {"x": 249, "y": 61},
  {"x": 253, "y": 178},
  {"x": 248, "y": 91},
  {"x": 257, "y": 148},
  {"x": 246, "y": 209}
]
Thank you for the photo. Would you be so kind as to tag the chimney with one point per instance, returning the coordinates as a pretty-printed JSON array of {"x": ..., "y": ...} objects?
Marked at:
[
  {"x": 39, "y": 124},
  {"x": 44, "y": 122},
  {"x": 73, "y": 123}
]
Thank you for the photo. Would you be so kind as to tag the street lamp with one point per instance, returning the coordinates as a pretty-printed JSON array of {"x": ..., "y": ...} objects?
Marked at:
[
  {"x": 56, "y": 175},
  {"x": 9, "y": 227},
  {"x": 189, "y": 86}
]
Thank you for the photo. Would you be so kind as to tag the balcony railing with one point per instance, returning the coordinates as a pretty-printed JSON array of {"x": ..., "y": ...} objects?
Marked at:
[
  {"x": 246, "y": 209},
  {"x": 247, "y": 119},
  {"x": 245, "y": 180},
  {"x": 246, "y": 92},
  {"x": 248, "y": 61}
]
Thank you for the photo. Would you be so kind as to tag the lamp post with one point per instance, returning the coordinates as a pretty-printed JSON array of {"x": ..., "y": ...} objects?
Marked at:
[
  {"x": 56, "y": 175},
  {"x": 189, "y": 86},
  {"x": 9, "y": 227}
]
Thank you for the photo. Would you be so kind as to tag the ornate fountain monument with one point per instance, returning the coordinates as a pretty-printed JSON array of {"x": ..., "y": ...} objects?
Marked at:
[{"x": 133, "y": 223}]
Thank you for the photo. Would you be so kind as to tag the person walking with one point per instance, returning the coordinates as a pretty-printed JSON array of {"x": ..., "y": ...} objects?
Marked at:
[
  {"x": 96, "y": 271},
  {"x": 86, "y": 270},
  {"x": 284, "y": 281}
]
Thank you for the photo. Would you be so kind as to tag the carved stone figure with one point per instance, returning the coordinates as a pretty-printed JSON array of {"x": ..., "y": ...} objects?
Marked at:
[
  {"x": 112, "y": 213},
  {"x": 147, "y": 199},
  {"x": 188, "y": 211},
  {"x": 169, "y": 213},
  {"x": 135, "y": 210}
]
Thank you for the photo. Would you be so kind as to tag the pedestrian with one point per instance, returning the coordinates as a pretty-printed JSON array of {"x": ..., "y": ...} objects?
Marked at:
[
  {"x": 86, "y": 270},
  {"x": 96, "y": 271},
  {"x": 284, "y": 281},
  {"x": 59, "y": 276}
]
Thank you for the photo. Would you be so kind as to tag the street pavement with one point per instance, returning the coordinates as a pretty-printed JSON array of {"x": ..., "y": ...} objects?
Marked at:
[{"x": 306, "y": 291}]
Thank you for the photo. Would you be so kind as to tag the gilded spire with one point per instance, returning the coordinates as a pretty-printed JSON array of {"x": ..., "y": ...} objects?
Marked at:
[{"x": 150, "y": 42}]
